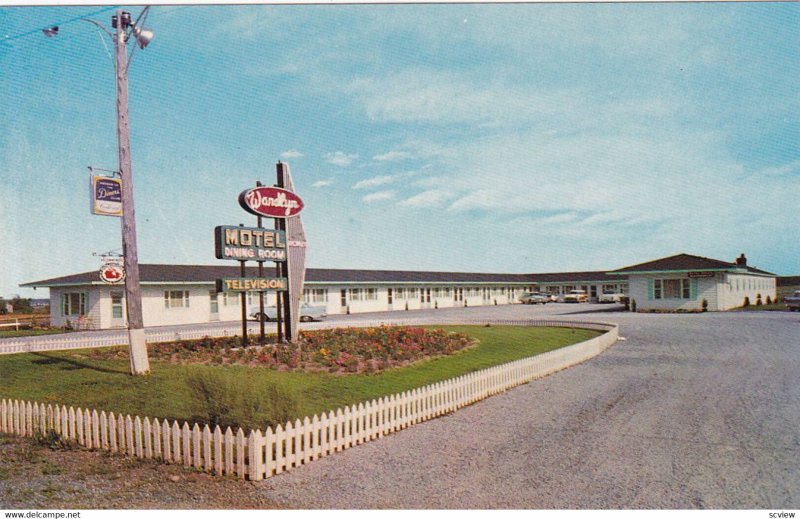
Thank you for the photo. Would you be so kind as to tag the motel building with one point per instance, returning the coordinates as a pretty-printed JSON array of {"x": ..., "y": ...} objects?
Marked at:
[{"x": 186, "y": 294}]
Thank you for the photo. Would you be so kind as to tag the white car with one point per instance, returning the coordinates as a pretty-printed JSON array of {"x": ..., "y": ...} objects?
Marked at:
[
  {"x": 610, "y": 296},
  {"x": 308, "y": 313},
  {"x": 532, "y": 298},
  {"x": 576, "y": 296}
]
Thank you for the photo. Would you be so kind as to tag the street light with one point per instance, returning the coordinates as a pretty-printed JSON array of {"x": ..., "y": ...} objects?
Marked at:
[{"x": 121, "y": 21}]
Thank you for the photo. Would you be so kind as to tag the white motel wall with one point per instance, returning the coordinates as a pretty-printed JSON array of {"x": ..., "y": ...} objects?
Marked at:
[
  {"x": 101, "y": 307},
  {"x": 185, "y": 294},
  {"x": 721, "y": 291}
]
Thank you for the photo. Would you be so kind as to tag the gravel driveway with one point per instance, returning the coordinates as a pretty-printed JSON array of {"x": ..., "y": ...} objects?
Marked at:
[{"x": 691, "y": 411}]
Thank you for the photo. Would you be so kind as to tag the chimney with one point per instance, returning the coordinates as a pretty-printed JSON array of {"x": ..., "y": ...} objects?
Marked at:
[{"x": 741, "y": 261}]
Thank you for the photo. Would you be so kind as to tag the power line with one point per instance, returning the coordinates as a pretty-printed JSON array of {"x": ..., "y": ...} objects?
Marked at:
[
  {"x": 76, "y": 19},
  {"x": 56, "y": 24}
]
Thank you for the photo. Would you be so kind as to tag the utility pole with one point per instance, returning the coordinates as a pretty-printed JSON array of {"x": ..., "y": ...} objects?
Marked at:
[{"x": 140, "y": 364}]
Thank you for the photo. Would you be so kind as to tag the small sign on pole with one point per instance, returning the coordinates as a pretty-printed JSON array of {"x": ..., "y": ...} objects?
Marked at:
[
  {"x": 106, "y": 195},
  {"x": 112, "y": 271}
]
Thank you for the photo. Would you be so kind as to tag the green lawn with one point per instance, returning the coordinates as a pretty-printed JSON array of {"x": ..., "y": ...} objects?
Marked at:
[{"x": 72, "y": 378}]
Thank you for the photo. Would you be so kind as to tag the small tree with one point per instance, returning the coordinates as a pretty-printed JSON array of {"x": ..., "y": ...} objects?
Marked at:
[
  {"x": 21, "y": 306},
  {"x": 704, "y": 305},
  {"x": 746, "y": 302}
]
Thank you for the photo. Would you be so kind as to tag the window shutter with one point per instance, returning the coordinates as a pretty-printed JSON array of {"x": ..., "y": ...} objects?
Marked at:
[
  {"x": 649, "y": 289},
  {"x": 692, "y": 289}
]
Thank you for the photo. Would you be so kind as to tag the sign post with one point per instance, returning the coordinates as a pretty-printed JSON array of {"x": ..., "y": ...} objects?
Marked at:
[{"x": 285, "y": 248}]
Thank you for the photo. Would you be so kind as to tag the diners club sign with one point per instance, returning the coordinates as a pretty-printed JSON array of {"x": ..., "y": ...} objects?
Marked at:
[{"x": 272, "y": 202}]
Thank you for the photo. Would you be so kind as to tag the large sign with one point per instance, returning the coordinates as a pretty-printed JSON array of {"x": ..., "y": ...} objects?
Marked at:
[
  {"x": 112, "y": 271},
  {"x": 106, "y": 195},
  {"x": 251, "y": 284},
  {"x": 272, "y": 202},
  {"x": 248, "y": 243}
]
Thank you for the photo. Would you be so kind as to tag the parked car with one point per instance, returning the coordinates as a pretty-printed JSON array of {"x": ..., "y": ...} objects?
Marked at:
[
  {"x": 308, "y": 313},
  {"x": 793, "y": 301},
  {"x": 576, "y": 296},
  {"x": 533, "y": 298},
  {"x": 610, "y": 296}
]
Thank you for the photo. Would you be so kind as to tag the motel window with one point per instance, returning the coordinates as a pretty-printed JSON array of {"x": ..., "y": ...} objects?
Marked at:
[
  {"x": 363, "y": 294},
  {"x": 389, "y": 295},
  {"x": 446, "y": 292},
  {"x": 315, "y": 295},
  {"x": 230, "y": 299},
  {"x": 74, "y": 303},
  {"x": 412, "y": 293},
  {"x": 176, "y": 298},
  {"x": 671, "y": 289},
  {"x": 400, "y": 293}
]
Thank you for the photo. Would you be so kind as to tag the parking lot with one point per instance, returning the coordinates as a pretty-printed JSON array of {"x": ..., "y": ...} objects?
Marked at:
[{"x": 690, "y": 411}]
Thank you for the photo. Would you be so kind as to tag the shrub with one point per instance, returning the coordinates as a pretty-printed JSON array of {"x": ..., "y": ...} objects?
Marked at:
[
  {"x": 228, "y": 400},
  {"x": 758, "y": 299},
  {"x": 53, "y": 441},
  {"x": 746, "y": 302},
  {"x": 704, "y": 305},
  {"x": 633, "y": 305},
  {"x": 769, "y": 300}
]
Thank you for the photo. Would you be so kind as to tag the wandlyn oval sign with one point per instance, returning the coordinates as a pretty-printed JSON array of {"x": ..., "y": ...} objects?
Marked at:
[{"x": 273, "y": 202}]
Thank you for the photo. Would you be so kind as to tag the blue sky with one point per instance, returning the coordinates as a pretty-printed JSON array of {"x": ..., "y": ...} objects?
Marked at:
[{"x": 491, "y": 138}]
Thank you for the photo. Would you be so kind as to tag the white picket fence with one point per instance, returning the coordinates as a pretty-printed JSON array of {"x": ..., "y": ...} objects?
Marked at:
[{"x": 260, "y": 455}]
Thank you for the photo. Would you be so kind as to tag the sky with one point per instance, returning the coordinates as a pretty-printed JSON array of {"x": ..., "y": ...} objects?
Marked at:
[{"x": 522, "y": 138}]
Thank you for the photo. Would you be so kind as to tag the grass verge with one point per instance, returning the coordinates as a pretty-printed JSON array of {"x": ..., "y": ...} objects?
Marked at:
[
  {"x": 72, "y": 378},
  {"x": 29, "y": 333}
]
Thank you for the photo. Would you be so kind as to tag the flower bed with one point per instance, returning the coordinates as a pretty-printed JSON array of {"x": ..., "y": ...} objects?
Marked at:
[{"x": 340, "y": 350}]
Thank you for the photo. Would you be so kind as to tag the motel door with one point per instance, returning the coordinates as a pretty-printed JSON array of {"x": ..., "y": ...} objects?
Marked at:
[
  {"x": 213, "y": 297},
  {"x": 117, "y": 312}
]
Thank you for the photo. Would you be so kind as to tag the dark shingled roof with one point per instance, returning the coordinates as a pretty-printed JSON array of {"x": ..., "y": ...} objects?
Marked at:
[
  {"x": 208, "y": 273},
  {"x": 787, "y": 281},
  {"x": 685, "y": 262}
]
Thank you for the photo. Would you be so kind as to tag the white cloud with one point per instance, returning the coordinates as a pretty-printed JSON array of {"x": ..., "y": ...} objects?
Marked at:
[
  {"x": 340, "y": 158},
  {"x": 291, "y": 154},
  {"x": 429, "y": 198},
  {"x": 392, "y": 156},
  {"x": 322, "y": 183},
  {"x": 379, "y": 195},
  {"x": 374, "y": 182}
]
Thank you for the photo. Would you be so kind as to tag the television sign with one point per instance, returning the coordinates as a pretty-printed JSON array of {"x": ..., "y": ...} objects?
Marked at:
[{"x": 254, "y": 284}]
